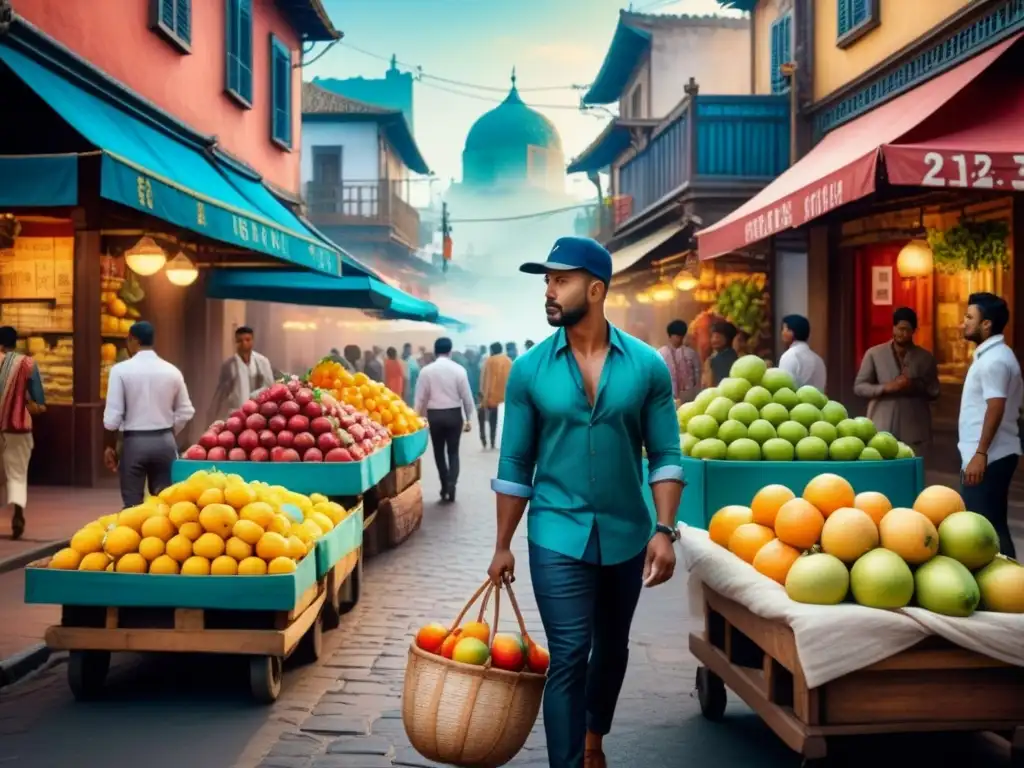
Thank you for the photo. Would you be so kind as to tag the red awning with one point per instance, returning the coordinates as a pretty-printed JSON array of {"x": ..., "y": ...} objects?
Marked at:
[{"x": 843, "y": 166}]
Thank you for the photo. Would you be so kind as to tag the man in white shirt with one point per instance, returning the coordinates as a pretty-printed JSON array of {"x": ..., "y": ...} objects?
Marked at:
[
  {"x": 148, "y": 402},
  {"x": 991, "y": 400},
  {"x": 799, "y": 360},
  {"x": 445, "y": 399},
  {"x": 243, "y": 373}
]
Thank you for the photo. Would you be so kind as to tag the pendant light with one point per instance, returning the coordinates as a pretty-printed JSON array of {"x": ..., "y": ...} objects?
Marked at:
[
  {"x": 915, "y": 260},
  {"x": 644, "y": 297},
  {"x": 662, "y": 292},
  {"x": 685, "y": 281},
  {"x": 145, "y": 257},
  {"x": 181, "y": 271}
]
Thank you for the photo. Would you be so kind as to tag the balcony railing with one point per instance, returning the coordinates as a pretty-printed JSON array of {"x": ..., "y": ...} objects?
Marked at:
[
  {"x": 364, "y": 204},
  {"x": 712, "y": 139}
]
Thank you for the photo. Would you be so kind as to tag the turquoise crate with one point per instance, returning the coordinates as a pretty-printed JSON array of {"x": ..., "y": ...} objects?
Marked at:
[
  {"x": 711, "y": 485},
  {"x": 142, "y": 590},
  {"x": 346, "y": 537},
  {"x": 407, "y": 448},
  {"x": 333, "y": 479}
]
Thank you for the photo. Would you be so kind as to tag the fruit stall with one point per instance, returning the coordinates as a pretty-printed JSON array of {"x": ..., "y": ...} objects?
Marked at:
[
  {"x": 758, "y": 420},
  {"x": 215, "y": 563},
  {"x": 833, "y": 613}
]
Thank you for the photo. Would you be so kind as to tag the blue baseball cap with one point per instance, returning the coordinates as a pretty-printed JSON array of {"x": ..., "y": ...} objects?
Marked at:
[{"x": 573, "y": 252}]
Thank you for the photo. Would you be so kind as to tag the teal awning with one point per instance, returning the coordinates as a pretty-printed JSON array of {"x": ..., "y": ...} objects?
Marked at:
[
  {"x": 154, "y": 172},
  {"x": 316, "y": 290},
  {"x": 38, "y": 180}
]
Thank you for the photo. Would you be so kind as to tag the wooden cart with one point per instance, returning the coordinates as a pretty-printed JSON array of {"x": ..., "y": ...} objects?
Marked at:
[
  {"x": 932, "y": 687},
  {"x": 92, "y": 633}
]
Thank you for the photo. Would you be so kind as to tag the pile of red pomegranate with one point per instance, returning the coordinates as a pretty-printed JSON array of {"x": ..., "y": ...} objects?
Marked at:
[{"x": 290, "y": 422}]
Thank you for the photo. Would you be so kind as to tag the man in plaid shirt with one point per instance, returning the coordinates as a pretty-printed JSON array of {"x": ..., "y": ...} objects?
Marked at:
[{"x": 683, "y": 363}]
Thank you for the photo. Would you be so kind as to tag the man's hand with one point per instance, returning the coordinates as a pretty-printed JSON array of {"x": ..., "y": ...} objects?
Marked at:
[
  {"x": 110, "y": 459},
  {"x": 661, "y": 560},
  {"x": 975, "y": 471},
  {"x": 503, "y": 563},
  {"x": 899, "y": 384},
  {"x": 467, "y": 427}
]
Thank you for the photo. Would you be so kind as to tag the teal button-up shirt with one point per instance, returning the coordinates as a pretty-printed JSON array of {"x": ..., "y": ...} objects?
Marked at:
[{"x": 581, "y": 466}]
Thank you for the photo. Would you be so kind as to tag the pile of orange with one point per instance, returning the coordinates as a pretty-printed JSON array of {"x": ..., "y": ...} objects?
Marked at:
[{"x": 370, "y": 397}]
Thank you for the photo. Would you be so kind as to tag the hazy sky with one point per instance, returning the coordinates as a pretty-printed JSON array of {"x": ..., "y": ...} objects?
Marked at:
[{"x": 551, "y": 43}]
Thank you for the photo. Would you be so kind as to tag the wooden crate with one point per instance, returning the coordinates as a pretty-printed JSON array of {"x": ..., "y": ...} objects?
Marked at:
[{"x": 931, "y": 687}]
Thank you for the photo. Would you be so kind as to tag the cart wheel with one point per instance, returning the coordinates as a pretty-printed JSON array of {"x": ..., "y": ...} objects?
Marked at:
[
  {"x": 87, "y": 673},
  {"x": 349, "y": 595},
  {"x": 265, "y": 673},
  {"x": 331, "y": 614},
  {"x": 710, "y": 694},
  {"x": 312, "y": 643}
]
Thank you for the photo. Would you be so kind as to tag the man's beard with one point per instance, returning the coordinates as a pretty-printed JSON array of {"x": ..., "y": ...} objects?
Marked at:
[
  {"x": 566, "y": 318},
  {"x": 974, "y": 336}
]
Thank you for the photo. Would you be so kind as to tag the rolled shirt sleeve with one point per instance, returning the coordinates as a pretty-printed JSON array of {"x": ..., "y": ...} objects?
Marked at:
[
  {"x": 661, "y": 429},
  {"x": 518, "y": 457}
]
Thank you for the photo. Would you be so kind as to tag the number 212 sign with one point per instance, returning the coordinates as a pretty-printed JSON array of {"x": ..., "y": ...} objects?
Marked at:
[{"x": 976, "y": 171}]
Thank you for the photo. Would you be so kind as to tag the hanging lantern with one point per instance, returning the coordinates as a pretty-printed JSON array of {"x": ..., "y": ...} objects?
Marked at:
[
  {"x": 915, "y": 260},
  {"x": 181, "y": 271},
  {"x": 617, "y": 301},
  {"x": 644, "y": 297},
  {"x": 685, "y": 281},
  {"x": 662, "y": 292},
  {"x": 145, "y": 257}
]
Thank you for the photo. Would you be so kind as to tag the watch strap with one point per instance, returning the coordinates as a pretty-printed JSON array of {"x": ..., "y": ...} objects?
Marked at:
[{"x": 672, "y": 533}]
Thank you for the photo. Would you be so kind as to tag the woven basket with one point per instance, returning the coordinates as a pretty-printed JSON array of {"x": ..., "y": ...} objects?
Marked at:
[{"x": 469, "y": 715}]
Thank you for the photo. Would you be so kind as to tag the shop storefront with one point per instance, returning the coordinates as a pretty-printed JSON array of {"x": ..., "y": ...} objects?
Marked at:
[
  {"x": 916, "y": 203},
  {"x": 110, "y": 212}
]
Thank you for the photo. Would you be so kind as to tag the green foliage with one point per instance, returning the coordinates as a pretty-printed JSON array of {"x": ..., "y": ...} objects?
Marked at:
[
  {"x": 744, "y": 304},
  {"x": 971, "y": 246}
]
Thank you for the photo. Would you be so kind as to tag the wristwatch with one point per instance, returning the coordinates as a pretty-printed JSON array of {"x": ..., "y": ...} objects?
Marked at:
[{"x": 672, "y": 533}]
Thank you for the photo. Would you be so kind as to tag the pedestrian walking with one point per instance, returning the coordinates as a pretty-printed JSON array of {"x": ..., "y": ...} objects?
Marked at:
[
  {"x": 243, "y": 373},
  {"x": 354, "y": 357},
  {"x": 492, "y": 391},
  {"x": 372, "y": 365},
  {"x": 992, "y": 397},
  {"x": 394, "y": 372},
  {"x": 511, "y": 351},
  {"x": 900, "y": 380},
  {"x": 148, "y": 403},
  {"x": 528, "y": 345},
  {"x": 799, "y": 360},
  {"x": 723, "y": 354},
  {"x": 444, "y": 399},
  {"x": 579, "y": 409},
  {"x": 683, "y": 363},
  {"x": 412, "y": 373},
  {"x": 21, "y": 398}
]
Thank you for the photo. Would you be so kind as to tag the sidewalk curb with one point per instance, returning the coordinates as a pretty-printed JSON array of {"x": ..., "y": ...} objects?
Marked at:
[
  {"x": 23, "y": 663},
  {"x": 14, "y": 562}
]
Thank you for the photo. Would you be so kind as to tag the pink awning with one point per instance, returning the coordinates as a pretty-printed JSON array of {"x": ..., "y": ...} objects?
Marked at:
[{"x": 843, "y": 167}]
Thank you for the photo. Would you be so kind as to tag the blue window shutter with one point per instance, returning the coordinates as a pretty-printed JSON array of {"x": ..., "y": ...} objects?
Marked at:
[
  {"x": 167, "y": 13},
  {"x": 245, "y": 49},
  {"x": 787, "y": 39},
  {"x": 231, "y": 44},
  {"x": 852, "y": 14},
  {"x": 183, "y": 18},
  {"x": 281, "y": 92},
  {"x": 777, "y": 83}
]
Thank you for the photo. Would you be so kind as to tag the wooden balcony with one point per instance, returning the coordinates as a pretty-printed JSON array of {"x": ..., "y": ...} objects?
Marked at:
[
  {"x": 709, "y": 145},
  {"x": 364, "y": 204}
]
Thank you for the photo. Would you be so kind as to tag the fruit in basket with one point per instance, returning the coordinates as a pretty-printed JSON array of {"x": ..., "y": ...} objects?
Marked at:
[
  {"x": 778, "y": 449},
  {"x": 281, "y": 564},
  {"x": 749, "y": 367},
  {"x": 537, "y": 659},
  {"x": 120, "y": 541},
  {"x": 775, "y": 559},
  {"x": 480, "y": 630},
  {"x": 937, "y": 502},
  {"x": 165, "y": 565},
  {"x": 1001, "y": 584},
  {"x": 507, "y": 653},
  {"x": 151, "y": 547},
  {"x": 95, "y": 561},
  {"x": 909, "y": 534},
  {"x": 818, "y": 579},
  {"x": 159, "y": 527},
  {"x": 766, "y": 503},
  {"x": 881, "y": 579},
  {"x": 448, "y": 646},
  {"x": 364, "y": 397},
  {"x": 726, "y": 520},
  {"x": 874, "y": 503},
  {"x": 195, "y": 566},
  {"x": 799, "y": 523},
  {"x": 87, "y": 540},
  {"x": 829, "y": 492},
  {"x": 848, "y": 534},
  {"x": 747, "y": 539},
  {"x": 431, "y": 637},
  {"x": 470, "y": 650},
  {"x": 67, "y": 559},
  {"x": 133, "y": 562},
  {"x": 968, "y": 538},
  {"x": 252, "y": 566},
  {"x": 944, "y": 585}
]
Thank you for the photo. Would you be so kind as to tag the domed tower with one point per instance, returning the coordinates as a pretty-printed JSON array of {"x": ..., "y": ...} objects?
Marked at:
[{"x": 513, "y": 146}]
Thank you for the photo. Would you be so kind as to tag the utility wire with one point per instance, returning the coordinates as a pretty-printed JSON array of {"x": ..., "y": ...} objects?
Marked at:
[
  {"x": 535, "y": 215},
  {"x": 492, "y": 100}
]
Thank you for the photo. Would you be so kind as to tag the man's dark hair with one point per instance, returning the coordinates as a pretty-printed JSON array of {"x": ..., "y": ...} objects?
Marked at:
[
  {"x": 496, "y": 348},
  {"x": 992, "y": 308},
  {"x": 443, "y": 346},
  {"x": 243, "y": 329},
  {"x": 143, "y": 333},
  {"x": 353, "y": 353},
  {"x": 392, "y": 353},
  {"x": 726, "y": 329},
  {"x": 8, "y": 337},
  {"x": 677, "y": 328},
  {"x": 528, "y": 344},
  {"x": 407, "y": 347},
  {"x": 799, "y": 325},
  {"x": 905, "y": 314}
]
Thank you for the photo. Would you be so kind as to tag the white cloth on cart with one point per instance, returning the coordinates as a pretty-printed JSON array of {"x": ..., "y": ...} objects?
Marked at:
[{"x": 835, "y": 640}]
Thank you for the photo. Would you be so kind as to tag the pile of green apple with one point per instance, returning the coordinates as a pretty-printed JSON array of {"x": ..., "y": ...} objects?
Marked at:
[{"x": 758, "y": 413}]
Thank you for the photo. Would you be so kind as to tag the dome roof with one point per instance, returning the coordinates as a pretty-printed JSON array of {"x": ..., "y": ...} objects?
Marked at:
[{"x": 512, "y": 126}]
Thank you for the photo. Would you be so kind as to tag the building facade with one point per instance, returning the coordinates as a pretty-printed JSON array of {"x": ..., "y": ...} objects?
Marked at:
[{"x": 393, "y": 91}]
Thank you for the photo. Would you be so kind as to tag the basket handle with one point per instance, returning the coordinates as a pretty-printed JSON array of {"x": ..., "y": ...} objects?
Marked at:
[
  {"x": 486, "y": 587},
  {"x": 485, "y": 591}
]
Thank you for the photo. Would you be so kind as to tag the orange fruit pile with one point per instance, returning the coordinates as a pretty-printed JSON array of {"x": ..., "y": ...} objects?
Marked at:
[{"x": 369, "y": 397}]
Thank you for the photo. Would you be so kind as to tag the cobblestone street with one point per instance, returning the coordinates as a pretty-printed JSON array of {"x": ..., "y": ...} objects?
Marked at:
[{"x": 345, "y": 711}]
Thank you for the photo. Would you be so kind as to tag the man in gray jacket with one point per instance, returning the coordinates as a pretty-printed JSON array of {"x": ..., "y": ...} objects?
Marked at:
[
  {"x": 243, "y": 373},
  {"x": 900, "y": 379}
]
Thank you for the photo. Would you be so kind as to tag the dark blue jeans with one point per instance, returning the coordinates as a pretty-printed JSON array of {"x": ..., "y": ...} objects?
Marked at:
[
  {"x": 586, "y": 609},
  {"x": 991, "y": 498}
]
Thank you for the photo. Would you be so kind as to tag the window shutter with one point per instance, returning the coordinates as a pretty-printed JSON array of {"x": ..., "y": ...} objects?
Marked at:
[
  {"x": 183, "y": 19},
  {"x": 167, "y": 13},
  {"x": 843, "y": 13},
  {"x": 787, "y": 40},
  {"x": 281, "y": 91},
  {"x": 776, "y": 54},
  {"x": 245, "y": 49},
  {"x": 231, "y": 39}
]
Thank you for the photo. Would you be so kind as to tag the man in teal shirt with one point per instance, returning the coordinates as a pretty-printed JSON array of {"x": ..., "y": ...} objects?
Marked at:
[{"x": 578, "y": 411}]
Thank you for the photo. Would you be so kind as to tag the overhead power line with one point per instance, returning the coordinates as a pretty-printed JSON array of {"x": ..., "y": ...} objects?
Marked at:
[
  {"x": 492, "y": 100},
  {"x": 536, "y": 215}
]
